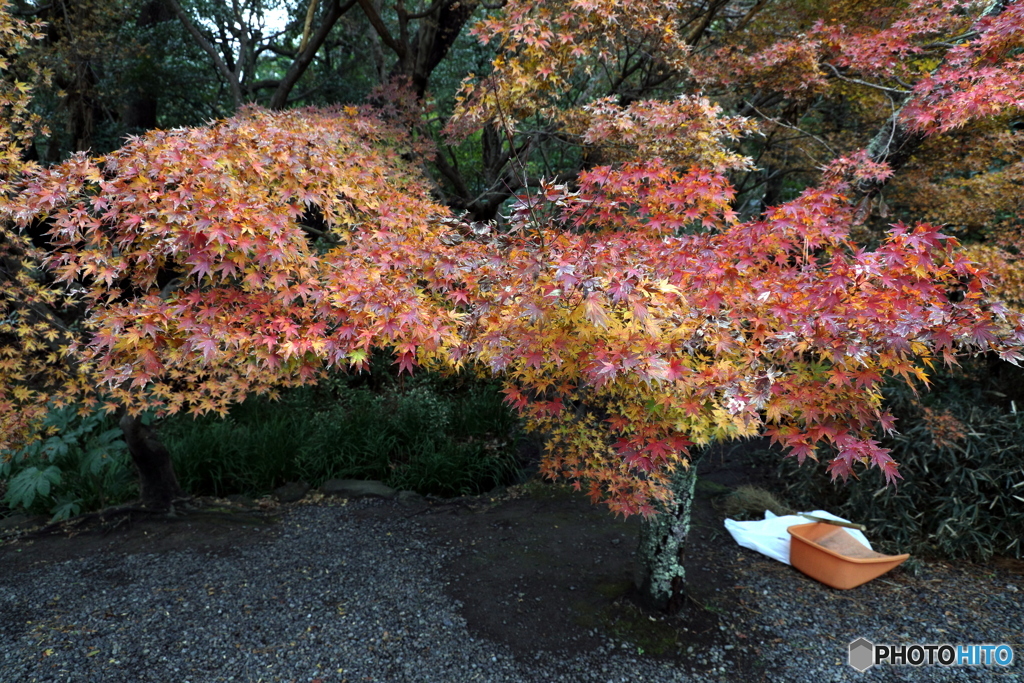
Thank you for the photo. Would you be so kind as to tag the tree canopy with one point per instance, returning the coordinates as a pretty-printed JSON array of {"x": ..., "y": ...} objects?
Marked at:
[{"x": 665, "y": 273}]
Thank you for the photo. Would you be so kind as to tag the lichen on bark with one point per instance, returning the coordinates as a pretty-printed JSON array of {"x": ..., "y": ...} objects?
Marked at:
[{"x": 660, "y": 575}]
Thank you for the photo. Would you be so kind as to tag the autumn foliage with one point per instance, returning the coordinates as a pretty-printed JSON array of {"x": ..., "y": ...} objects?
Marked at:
[
  {"x": 779, "y": 326},
  {"x": 632, "y": 312},
  {"x": 30, "y": 366},
  {"x": 200, "y": 284}
]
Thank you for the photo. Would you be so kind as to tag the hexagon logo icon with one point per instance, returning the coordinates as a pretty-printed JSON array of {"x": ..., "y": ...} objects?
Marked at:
[{"x": 862, "y": 654}]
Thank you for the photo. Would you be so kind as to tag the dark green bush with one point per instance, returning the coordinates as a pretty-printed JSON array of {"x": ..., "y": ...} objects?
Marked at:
[
  {"x": 250, "y": 451},
  {"x": 446, "y": 436},
  {"x": 428, "y": 433},
  {"x": 962, "y": 492}
]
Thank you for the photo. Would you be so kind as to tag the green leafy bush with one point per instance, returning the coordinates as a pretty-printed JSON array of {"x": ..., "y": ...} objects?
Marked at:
[
  {"x": 962, "y": 495},
  {"x": 83, "y": 463},
  {"x": 250, "y": 451},
  {"x": 443, "y": 436},
  {"x": 428, "y": 433}
]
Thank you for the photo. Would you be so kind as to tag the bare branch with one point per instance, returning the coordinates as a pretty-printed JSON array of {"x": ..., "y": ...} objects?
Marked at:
[
  {"x": 263, "y": 84},
  {"x": 320, "y": 234},
  {"x": 865, "y": 83},
  {"x": 777, "y": 122},
  {"x": 452, "y": 174},
  {"x": 222, "y": 67}
]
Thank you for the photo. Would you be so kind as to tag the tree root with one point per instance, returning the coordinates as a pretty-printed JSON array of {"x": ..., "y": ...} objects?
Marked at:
[{"x": 109, "y": 519}]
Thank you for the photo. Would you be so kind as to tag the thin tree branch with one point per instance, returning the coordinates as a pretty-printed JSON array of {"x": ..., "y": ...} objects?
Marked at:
[
  {"x": 305, "y": 93},
  {"x": 222, "y": 67},
  {"x": 264, "y": 84},
  {"x": 865, "y": 83},
  {"x": 381, "y": 28},
  {"x": 320, "y": 234},
  {"x": 796, "y": 128}
]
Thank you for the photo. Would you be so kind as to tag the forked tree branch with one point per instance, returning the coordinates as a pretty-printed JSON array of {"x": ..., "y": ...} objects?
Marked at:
[{"x": 228, "y": 75}]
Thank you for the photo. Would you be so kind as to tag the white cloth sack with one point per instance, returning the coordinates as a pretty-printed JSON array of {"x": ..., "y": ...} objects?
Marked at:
[{"x": 769, "y": 536}]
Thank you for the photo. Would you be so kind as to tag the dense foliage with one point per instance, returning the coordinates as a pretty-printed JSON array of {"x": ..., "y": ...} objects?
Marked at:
[
  {"x": 963, "y": 492},
  {"x": 83, "y": 464},
  {"x": 422, "y": 434},
  {"x": 654, "y": 295}
]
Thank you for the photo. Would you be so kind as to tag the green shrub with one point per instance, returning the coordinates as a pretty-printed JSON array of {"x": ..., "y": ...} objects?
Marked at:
[
  {"x": 82, "y": 464},
  {"x": 431, "y": 434},
  {"x": 962, "y": 492},
  {"x": 251, "y": 451}
]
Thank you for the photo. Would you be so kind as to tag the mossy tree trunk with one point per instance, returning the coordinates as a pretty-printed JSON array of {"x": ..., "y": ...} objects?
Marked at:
[{"x": 660, "y": 575}]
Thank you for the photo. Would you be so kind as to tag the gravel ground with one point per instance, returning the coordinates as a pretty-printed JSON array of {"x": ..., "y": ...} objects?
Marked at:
[
  {"x": 333, "y": 597},
  {"x": 807, "y": 627}
]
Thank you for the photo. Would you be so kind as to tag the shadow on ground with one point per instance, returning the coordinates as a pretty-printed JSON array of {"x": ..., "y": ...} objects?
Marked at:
[{"x": 540, "y": 567}]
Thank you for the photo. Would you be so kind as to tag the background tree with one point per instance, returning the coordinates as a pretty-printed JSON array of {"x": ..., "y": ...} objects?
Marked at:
[
  {"x": 119, "y": 68},
  {"x": 238, "y": 40}
]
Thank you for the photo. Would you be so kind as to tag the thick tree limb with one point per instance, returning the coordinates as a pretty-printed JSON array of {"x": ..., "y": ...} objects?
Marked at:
[
  {"x": 698, "y": 31},
  {"x": 305, "y": 56},
  {"x": 440, "y": 25},
  {"x": 308, "y": 25},
  {"x": 382, "y": 30},
  {"x": 453, "y": 176},
  {"x": 750, "y": 15}
]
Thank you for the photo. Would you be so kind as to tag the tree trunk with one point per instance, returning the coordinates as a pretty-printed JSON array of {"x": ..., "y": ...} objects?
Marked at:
[
  {"x": 158, "y": 484},
  {"x": 660, "y": 575},
  {"x": 434, "y": 37},
  {"x": 141, "y": 106},
  {"x": 279, "y": 100}
]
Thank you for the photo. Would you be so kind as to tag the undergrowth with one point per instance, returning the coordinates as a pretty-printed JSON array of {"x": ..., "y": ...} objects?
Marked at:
[
  {"x": 446, "y": 436},
  {"x": 419, "y": 437},
  {"x": 81, "y": 463},
  {"x": 962, "y": 491}
]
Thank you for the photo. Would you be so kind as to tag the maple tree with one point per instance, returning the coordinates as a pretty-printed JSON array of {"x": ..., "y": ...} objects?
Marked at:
[
  {"x": 200, "y": 285},
  {"x": 29, "y": 364},
  {"x": 633, "y": 311},
  {"x": 684, "y": 324}
]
